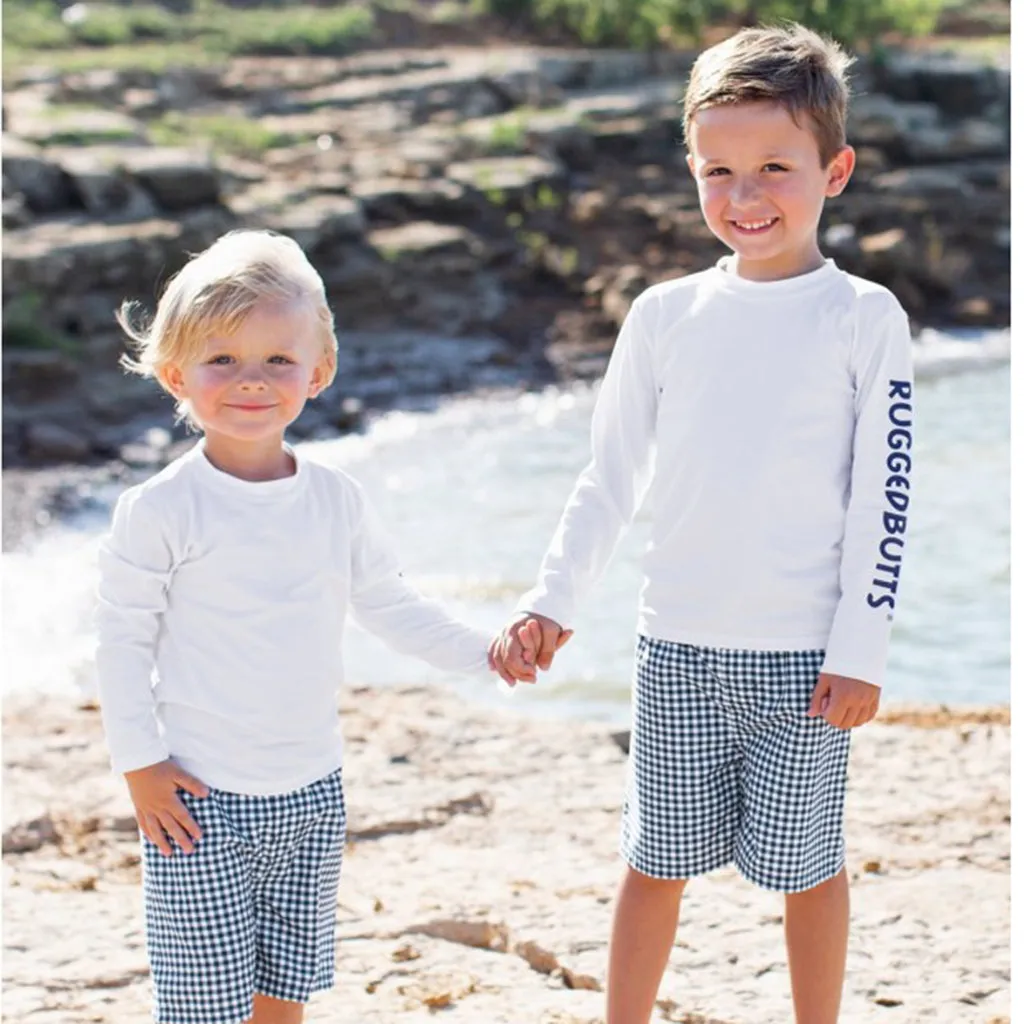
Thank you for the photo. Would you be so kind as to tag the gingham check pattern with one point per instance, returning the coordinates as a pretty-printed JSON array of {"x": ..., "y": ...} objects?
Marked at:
[
  {"x": 252, "y": 909},
  {"x": 725, "y": 766}
]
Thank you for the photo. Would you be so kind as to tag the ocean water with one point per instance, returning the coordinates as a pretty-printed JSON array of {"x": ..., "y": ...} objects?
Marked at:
[{"x": 471, "y": 491}]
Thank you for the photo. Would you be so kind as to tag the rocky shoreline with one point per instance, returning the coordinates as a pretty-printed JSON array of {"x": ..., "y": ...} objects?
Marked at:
[
  {"x": 482, "y": 217},
  {"x": 482, "y": 862}
]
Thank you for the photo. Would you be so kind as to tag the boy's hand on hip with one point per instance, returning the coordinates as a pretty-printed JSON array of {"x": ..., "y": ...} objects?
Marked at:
[
  {"x": 158, "y": 809},
  {"x": 844, "y": 702}
]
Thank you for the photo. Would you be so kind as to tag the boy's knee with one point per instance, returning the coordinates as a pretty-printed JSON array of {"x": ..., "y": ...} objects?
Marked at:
[
  {"x": 639, "y": 881},
  {"x": 826, "y": 890}
]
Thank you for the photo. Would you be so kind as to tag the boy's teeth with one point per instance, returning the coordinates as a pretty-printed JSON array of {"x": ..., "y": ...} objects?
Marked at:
[{"x": 753, "y": 225}]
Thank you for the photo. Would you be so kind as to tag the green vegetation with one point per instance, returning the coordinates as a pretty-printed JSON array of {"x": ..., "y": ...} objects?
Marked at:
[
  {"x": 289, "y": 30},
  {"x": 649, "y": 23},
  {"x": 148, "y": 35},
  {"x": 33, "y": 29},
  {"x": 508, "y": 134},
  {"x": 72, "y": 124},
  {"x": 225, "y": 133},
  {"x": 23, "y": 326},
  {"x": 542, "y": 252}
]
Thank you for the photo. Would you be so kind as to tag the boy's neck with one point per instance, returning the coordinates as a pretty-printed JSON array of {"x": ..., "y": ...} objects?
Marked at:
[
  {"x": 255, "y": 461},
  {"x": 776, "y": 269}
]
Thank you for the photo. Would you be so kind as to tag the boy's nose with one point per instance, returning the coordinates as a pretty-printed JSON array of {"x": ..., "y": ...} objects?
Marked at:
[
  {"x": 745, "y": 193},
  {"x": 252, "y": 382}
]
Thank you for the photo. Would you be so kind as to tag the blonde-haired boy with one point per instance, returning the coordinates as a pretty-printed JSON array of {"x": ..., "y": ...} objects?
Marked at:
[
  {"x": 224, "y": 586},
  {"x": 766, "y": 402}
]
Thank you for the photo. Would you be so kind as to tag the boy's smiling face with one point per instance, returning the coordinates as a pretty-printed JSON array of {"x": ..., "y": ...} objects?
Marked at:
[
  {"x": 762, "y": 186},
  {"x": 248, "y": 386}
]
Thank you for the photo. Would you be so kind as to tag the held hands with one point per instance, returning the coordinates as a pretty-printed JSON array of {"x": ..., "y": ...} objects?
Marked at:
[
  {"x": 844, "y": 702},
  {"x": 159, "y": 811},
  {"x": 524, "y": 645}
]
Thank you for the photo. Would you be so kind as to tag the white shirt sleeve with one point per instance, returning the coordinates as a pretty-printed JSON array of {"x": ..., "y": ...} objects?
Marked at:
[
  {"x": 135, "y": 563},
  {"x": 612, "y": 486},
  {"x": 876, "y": 517},
  {"x": 385, "y": 604}
]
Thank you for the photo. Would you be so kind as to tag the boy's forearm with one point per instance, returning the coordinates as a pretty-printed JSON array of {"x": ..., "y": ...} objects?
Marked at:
[
  {"x": 612, "y": 486},
  {"x": 412, "y": 624},
  {"x": 874, "y": 540}
]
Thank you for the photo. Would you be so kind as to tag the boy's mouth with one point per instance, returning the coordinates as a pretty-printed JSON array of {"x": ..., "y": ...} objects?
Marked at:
[{"x": 754, "y": 227}]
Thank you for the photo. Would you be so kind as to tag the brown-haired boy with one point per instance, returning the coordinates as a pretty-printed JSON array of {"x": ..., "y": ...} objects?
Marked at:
[{"x": 767, "y": 404}]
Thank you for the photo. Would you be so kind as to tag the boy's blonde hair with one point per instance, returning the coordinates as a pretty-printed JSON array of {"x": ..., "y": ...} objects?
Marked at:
[
  {"x": 787, "y": 64},
  {"x": 215, "y": 291}
]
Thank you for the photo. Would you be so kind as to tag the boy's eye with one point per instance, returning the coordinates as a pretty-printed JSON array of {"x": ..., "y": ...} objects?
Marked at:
[
  {"x": 280, "y": 360},
  {"x": 219, "y": 361},
  {"x": 717, "y": 172},
  {"x": 774, "y": 167}
]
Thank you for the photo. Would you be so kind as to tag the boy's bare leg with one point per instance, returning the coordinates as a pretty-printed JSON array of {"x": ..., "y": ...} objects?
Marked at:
[
  {"x": 275, "y": 1011},
  {"x": 817, "y": 928},
  {"x": 643, "y": 930}
]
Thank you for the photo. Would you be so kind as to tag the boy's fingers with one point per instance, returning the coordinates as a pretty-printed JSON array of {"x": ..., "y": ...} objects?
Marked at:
[
  {"x": 563, "y": 639},
  {"x": 155, "y": 834},
  {"x": 842, "y": 716},
  {"x": 817, "y": 698},
  {"x": 528, "y": 639},
  {"x": 529, "y": 632},
  {"x": 507, "y": 676},
  {"x": 177, "y": 833},
  {"x": 549, "y": 644},
  {"x": 516, "y": 663},
  {"x": 186, "y": 821},
  {"x": 190, "y": 783},
  {"x": 496, "y": 659},
  {"x": 531, "y": 636}
]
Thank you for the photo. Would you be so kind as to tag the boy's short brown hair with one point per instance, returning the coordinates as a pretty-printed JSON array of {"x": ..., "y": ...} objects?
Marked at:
[{"x": 787, "y": 64}]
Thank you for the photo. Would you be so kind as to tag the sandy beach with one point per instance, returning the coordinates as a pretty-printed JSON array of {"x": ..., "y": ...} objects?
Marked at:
[{"x": 482, "y": 862}]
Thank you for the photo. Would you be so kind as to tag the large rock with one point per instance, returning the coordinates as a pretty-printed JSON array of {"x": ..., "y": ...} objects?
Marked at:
[
  {"x": 178, "y": 179},
  {"x": 51, "y": 442},
  {"x": 463, "y": 90},
  {"x": 509, "y": 179},
  {"x": 436, "y": 278},
  {"x": 924, "y": 181},
  {"x": 319, "y": 220},
  {"x": 398, "y": 199},
  {"x": 960, "y": 87},
  {"x": 67, "y": 258},
  {"x": 557, "y": 134},
  {"x": 448, "y": 248},
  {"x": 54, "y": 258},
  {"x": 879, "y": 120},
  {"x": 74, "y": 127},
  {"x": 34, "y": 375},
  {"x": 16, "y": 213},
  {"x": 918, "y": 132},
  {"x": 38, "y": 178},
  {"x": 632, "y": 99},
  {"x": 386, "y": 364},
  {"x": 102, "y": 184}
]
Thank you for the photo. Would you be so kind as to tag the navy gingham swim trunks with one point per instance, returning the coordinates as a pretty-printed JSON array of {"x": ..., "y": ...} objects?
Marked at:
[
  {"x": 251, "y": 909},
  {"x": 726, "y": 767}
]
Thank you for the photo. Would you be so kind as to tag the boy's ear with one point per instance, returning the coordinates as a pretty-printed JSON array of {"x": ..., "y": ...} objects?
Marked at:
[
  {"x": 689, "y": 163},
  {"x": 172, "y": 379},
  {"x": 839, "y": 170},
  {"x": 319, "y": 379}
]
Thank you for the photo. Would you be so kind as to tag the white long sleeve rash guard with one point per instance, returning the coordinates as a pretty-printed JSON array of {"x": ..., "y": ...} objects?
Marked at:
[
  {"x": 220, "y": 614},
  {"x": 772, "y": 423}
]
